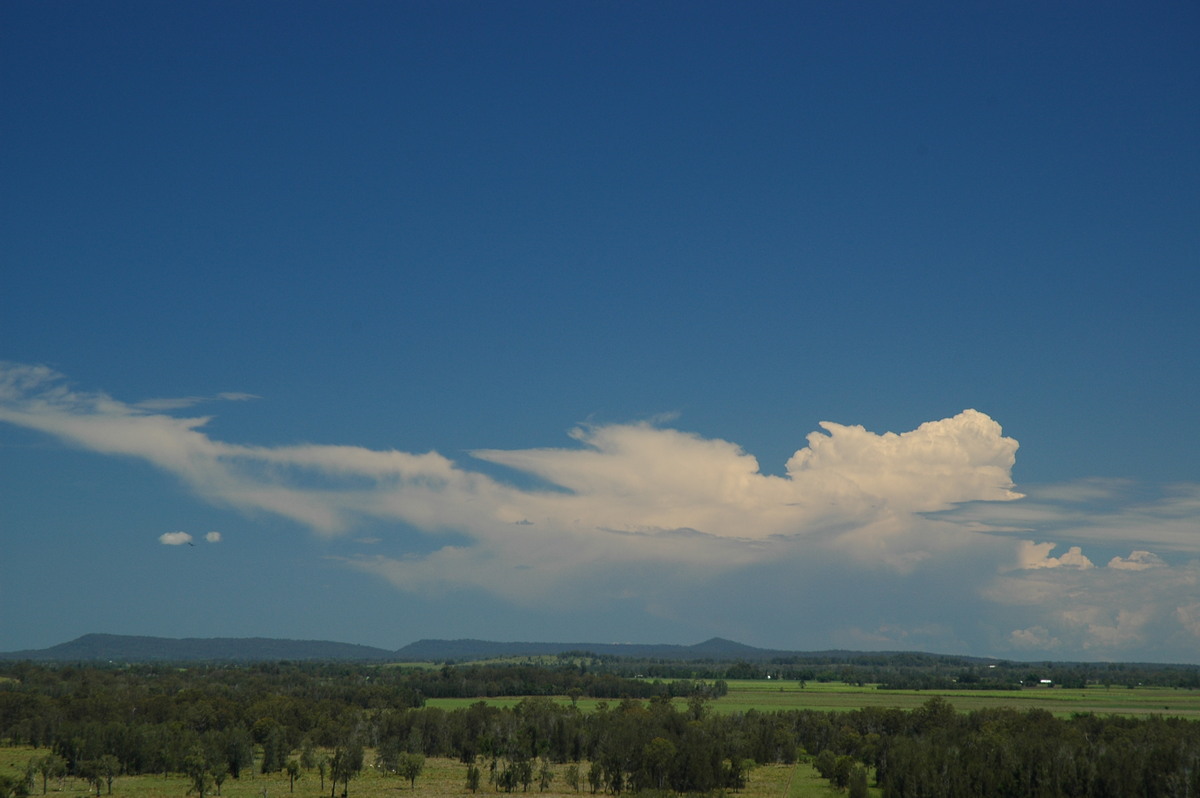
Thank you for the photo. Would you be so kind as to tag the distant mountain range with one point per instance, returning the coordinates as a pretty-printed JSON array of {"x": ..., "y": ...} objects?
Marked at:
[
  {"x": 127, "y": 648},
  {"x": 457, "y": 650}
]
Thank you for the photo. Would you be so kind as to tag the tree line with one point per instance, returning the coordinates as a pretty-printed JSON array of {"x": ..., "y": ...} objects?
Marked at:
[
  {"x": 217, "y": 723},
  {"x": 915, "y": 670}
]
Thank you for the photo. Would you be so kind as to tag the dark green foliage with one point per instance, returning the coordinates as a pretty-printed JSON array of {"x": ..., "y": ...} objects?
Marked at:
[
  {"x": 345, "y": 764},
  {"x": 595, "y": 777},
  {"x": 545, "y": 775},
  {"x": 825, "y": 763},
  {"x": 206, "y": 722},
  {"x": 48, "y": 766},
  {"x": 858, "y": 782},
  {"x": 12, "y": 787},
  {"x": 1004, "y": 752},
  {"x": 473, "y": 775},
  {"x": 275, "y": 748},
  {"x": 387, "y": 754},
  {"x": 294, "y": 772},
  {"x": 410, "y": 766},
  {"x": 572, "y": 776}
]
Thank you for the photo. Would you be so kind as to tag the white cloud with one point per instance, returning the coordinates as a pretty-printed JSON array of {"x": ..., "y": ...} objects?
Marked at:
[
  {"x": 1082, "y": 490},
  {"x": 896, "y": 637},
  {"x": 1037, "y": 555},
  {"x": 1137, "y": 561},
  {"x": 1104, "y": 611},
  {"x": 212, "y": 537},
  {"x": 638, "y": 512},
  {"x": 1110, "y": 630},
  {"x": 1097, "y": 511},
  {"x": 635, "y": 479},
  {"x": 174, "y": 538},
  {"x": 1035, "y": 638},
  {"x": 1189, "y": 615}
]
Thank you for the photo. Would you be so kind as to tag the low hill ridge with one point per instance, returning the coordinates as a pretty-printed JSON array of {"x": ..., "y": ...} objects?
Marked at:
[
  {"x": 459, "y": 650},
  {"x": 133, "y": 648}
]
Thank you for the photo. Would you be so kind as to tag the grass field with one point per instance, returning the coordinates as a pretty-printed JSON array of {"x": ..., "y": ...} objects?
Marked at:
[
  {"x": 769, "y": 696},
  {"x": 1141, "y": 701},
  {"x": 442, "y": 778}
]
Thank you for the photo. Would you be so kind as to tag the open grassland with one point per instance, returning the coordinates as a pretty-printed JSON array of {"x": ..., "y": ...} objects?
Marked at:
[
  {"x": 441, "y": 778},
  {"x": 770, "y": 696},
  {"x": 767, "y": 696}
]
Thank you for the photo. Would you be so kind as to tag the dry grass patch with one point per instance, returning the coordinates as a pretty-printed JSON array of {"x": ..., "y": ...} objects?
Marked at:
[{"x": 441, "y": 778}]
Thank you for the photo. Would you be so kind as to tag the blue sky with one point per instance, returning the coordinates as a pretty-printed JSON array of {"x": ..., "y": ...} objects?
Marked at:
[{"x": 861, "y": 325}]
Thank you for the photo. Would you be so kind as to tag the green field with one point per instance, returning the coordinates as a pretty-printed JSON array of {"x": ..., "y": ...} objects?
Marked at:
[
  {"x": 1140, "y": 701},
  {"x": 442, "y": 778},
  {"x": 769, "y": 696}
]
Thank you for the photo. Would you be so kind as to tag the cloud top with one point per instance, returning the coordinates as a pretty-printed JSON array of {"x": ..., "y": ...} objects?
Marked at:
[{"x": 1037, "y": 555}]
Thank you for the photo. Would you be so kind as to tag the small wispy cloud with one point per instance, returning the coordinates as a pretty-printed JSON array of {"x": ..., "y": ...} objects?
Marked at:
[
  {"x": 174, "y": 538},
  {"x": 212, "y": 537},
  {"x": 180, "y": 402}
]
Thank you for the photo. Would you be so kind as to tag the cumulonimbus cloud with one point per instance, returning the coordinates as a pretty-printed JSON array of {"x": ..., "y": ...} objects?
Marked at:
[
  {"x": 640, "y": 509},
  {"x": 637, "y": 480}
]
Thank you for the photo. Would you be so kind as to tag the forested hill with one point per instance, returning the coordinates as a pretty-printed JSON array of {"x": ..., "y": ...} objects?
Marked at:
[
  {"x": 717, "y": 649},
  {"x": 468, "y": 650},
  {"x": 128, "y": 648}
]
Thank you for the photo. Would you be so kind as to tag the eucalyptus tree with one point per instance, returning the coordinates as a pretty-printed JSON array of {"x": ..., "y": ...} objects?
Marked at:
[
  {"x": 90, "y": 771},
  {"x": 49, "y": 766},
  {"x": 410, "y": 766},
  {"x": 294, "y": 772},
  {"x": 109, "y": 766},
  {"x": 197, "y": 769},
  {"x": 347, "y": 762}
]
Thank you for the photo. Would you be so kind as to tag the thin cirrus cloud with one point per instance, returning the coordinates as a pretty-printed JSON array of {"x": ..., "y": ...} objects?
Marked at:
[
  {"x": 178, "y": 403},
  {"x": 650, "y": 513}
]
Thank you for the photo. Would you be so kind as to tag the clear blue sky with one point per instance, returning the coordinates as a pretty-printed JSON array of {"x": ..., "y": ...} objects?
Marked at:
[{"x": 521, "y": 321}]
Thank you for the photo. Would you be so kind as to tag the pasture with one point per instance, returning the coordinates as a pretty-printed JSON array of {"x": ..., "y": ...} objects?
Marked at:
[
  {"x": 771, "y": 696},
  {"x": 767, "y": 696},
  {"x": 441, "y": 778}
]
